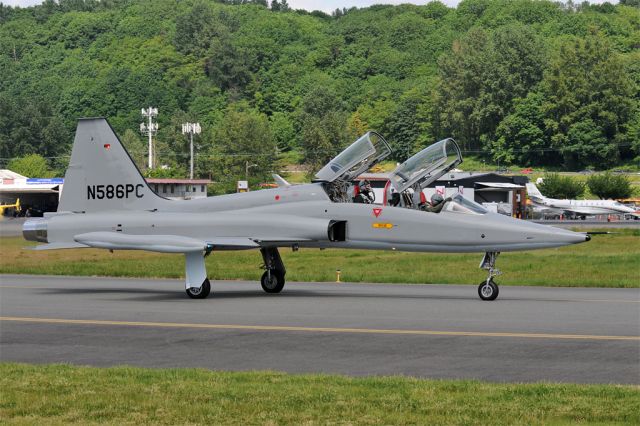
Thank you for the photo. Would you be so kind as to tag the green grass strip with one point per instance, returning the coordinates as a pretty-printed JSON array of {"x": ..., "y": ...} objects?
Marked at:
[{"x": 54, "y": 394}]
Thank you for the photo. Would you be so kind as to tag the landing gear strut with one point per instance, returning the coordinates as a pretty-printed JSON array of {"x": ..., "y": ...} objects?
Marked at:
[
  {"x": 272, "y": 280},
  {"x": 197, "y": 284},
  {"x": 488, "y": 289}
]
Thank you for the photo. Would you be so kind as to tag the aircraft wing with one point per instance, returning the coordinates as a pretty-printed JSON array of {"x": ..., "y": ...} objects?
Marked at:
[
  {"x": 579, "y": 211},
  {"x": 160, "y": 243}
]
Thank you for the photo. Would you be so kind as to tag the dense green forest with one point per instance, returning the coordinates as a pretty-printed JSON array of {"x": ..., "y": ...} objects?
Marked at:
[{"x": 526, "y": 82}]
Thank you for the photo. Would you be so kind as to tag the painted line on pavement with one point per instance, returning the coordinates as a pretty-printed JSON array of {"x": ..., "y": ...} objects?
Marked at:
[{"x": 316, "y": 329}]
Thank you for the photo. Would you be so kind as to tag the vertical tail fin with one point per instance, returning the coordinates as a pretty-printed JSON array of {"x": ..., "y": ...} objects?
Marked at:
[
  {"x": 534, "y": 192},
  {"x": 282, "y": 182},
  {"x": 101, "y": 174}
]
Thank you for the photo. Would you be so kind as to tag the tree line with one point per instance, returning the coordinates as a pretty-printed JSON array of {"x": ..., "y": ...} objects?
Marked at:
[
  {"x": 606, "y": 186},
  {"x": 527, "y": 82}
]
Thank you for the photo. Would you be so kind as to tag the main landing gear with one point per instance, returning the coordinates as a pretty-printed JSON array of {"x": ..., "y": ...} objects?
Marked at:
[
  {"x": 198, "y": 285},
  {"x": 488, "y": 289},
  {"x": 200, "y": 292},
  {"x": 272, "y": 280}
]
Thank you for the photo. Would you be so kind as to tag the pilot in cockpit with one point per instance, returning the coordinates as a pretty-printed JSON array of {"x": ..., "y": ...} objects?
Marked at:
[
  {"x": 365, "y": 193},
  {"x": 437, "y": 203},
  {"x": 394, "y": 200}
]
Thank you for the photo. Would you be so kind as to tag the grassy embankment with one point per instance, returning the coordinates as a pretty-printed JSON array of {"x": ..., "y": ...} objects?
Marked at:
[
  {"x": 606, "y": 261},
  {"x": 124, "y": 395}
]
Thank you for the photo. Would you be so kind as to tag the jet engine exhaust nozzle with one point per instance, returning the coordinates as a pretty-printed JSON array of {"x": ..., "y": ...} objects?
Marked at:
[{"x": 35, "y": 230}]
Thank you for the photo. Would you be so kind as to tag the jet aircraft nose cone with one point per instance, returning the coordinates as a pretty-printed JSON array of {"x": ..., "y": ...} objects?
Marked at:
[
  {"x": 541, "y": 235},
  {"x": 570, "y": 237}
]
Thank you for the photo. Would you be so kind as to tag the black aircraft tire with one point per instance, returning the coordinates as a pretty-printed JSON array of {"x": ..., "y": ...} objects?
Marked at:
[
  {"x": 202, "y": 292},
  {"x": 488, "y": 291},
  {"x": 276, "y": 283}
]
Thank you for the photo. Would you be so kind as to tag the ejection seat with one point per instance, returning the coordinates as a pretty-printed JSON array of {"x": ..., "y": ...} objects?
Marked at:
[{"x": 411, "y": 177}]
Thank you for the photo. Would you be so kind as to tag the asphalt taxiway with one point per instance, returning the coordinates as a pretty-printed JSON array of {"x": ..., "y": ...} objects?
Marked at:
[{"x": 438, "y": 331}]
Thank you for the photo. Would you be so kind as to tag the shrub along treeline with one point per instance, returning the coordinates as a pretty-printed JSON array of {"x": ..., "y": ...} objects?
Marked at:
[{"x": 527, "y": 82}]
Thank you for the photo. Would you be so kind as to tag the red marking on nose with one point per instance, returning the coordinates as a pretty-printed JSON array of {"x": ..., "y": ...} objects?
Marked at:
[
  {"x": 277, "y": 197},
  {"x": 107, "y": 146}
]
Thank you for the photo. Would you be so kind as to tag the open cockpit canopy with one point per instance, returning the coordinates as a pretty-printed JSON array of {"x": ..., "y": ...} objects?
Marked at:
[
  {"x": 360, "y": 156},
  {"x": 427, "y": 165}
]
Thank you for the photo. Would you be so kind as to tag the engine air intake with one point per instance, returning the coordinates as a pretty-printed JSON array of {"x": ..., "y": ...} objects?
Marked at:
[{"x": 338, "y": 230}]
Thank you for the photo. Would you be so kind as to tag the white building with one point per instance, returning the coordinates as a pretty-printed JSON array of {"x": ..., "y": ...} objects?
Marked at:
[{"x": 179, "y": 189}]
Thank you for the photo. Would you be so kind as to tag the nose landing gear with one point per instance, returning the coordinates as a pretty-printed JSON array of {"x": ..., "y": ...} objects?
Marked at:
[{"x": 488, "y": 289}]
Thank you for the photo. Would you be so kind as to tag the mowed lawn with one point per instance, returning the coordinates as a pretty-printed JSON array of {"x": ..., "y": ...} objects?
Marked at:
[
  {"x": 54, "y": 394},
  {"x": 606, "y": 261}
]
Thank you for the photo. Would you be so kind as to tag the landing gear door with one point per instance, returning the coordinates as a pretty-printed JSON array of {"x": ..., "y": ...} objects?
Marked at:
[
  {"x": 427, "y": 165},
  {"x": 360, "y": 156}
]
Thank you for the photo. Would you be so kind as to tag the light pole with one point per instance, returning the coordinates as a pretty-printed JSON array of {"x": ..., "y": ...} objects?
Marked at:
[
  {"x": 149, "y": 129},
  {"x": 247, "y": 166},
  {"x": 191, "y": 129}
]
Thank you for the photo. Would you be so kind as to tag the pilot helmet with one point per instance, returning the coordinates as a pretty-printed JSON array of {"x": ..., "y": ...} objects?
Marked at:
[
  {"x": 365, "y": 185},
  {"x": 436, "y": 199}
]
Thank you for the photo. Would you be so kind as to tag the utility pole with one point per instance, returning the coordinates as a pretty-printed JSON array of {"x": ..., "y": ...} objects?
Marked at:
[
  {"x": 149, "y": 129},
  {"x": 247, "y": 166},
  {"x": 191, "y": 129}
]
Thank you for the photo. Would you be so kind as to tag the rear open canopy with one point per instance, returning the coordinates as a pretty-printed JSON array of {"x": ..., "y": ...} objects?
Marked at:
[
  {"x": 427, "y": 165},
  {"x": 360, "y": 156}
]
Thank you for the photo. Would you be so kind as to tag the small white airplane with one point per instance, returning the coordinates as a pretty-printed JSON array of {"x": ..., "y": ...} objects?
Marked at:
[{"x": 580, "y": 208}]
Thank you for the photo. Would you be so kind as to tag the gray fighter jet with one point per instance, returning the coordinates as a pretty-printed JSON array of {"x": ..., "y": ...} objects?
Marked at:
[{"x": 107, "y": 204}]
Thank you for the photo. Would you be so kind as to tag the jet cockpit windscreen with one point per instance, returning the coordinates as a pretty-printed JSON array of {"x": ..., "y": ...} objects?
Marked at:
[
  {"x": 427, "y": 165},
  {"x": 459, "y": 204},
  {"x": 360, "y": 156}
]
